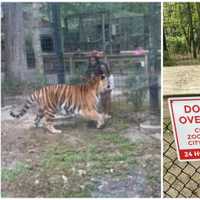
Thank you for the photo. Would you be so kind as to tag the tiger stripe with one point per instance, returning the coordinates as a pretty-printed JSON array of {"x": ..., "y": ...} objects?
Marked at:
[{"x": 71, "y": 98}]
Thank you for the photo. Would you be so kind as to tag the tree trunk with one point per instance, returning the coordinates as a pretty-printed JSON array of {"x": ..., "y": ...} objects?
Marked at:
[
  {"x": 192, "y": 39},
  {"x": 184, "y": 28},
  {"x": 36, "y": 17},
  {"x": 164, "y": 41},
  {"x": 198, "y": 28},
  {"x": 16, "y": 63}
]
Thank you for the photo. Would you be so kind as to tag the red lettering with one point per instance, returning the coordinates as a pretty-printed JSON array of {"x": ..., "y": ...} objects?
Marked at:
[
  {"x": 195, "y": 108},
  {"x": 182, "y": 120},
  {"x": 190, "y": 120},
  {"x": 197, "y": 130},
  {"x": 187, "y": 109},
  {"x": 197, "y": 119}
]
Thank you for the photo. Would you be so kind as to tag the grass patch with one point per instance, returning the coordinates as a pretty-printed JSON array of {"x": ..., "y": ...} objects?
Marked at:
[
  {"x": 112, "y": 138},
  {"x": 11, "y": 174},
  {"x": 3, "y": 194},
  {"x": 108, "y": 150},
  {"x": 75, "y": 194},
  {"x": 70, "y": 193},
  {"x": 62, "y": 159},
  {"x": 119, "y": 124}
]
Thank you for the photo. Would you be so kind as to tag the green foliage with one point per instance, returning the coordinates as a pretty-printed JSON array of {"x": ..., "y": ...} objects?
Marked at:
[
  {"x": 11, "y": 174},
  {"x": 168, "y": 61},
  {"x": 16, "y": 87},
  {"x": 116, "y": 9},
  {"x": 3, "y": 194},
  {"x": 182, "y": 28},
  {"x": 138, "y": 85},
  {"x": 99, "y": 158},
  {"x": 10, "y": 87},
  {"x": 178, "y": 44}
]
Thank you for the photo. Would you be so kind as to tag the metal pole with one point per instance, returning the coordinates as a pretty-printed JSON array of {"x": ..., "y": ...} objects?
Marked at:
[
  {"x": 103, "y": 32},
  {"x": 58, "y": 41},
  {"x": 153, "y": 75},
  {"x": 110, "y": 32}
]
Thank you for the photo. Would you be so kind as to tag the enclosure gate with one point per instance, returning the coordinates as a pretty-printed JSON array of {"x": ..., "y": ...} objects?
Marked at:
[{"x": 180, "y": 179}]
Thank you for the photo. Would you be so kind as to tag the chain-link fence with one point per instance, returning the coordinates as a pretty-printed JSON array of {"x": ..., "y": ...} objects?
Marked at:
[
  {"x": 130, "y": 82},
  {"x": 180, "y": 179}
]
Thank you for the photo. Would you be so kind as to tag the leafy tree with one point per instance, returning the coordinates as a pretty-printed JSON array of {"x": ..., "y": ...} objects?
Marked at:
[{"x": 182, "y": 28}]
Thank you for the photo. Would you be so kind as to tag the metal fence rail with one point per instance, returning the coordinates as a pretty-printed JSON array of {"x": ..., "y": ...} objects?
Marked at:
[{"x": 180, "y": 179}]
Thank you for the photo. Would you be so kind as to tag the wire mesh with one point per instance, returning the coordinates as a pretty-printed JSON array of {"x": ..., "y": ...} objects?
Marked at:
[
  {"x": 122, "y": 33},
  {"x": 131, "y": 84},
  {"x": 180, "y": 179}
]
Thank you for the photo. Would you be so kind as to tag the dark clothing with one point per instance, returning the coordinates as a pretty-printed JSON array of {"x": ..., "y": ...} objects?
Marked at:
[
  {"x": 106, "y": 102},
  {"x": 98, "y": 69}
]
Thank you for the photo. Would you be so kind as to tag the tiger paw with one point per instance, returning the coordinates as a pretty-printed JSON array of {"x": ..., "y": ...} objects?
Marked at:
[
  {"x": 106, "y": 116},
  {"x": 100, "y": 125},
  {"x": 53, "y": 130},
  {"x": 57, "y": 131}
]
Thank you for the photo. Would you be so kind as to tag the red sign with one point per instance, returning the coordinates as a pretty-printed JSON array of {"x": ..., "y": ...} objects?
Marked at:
[{"x": 185, "y": 117}]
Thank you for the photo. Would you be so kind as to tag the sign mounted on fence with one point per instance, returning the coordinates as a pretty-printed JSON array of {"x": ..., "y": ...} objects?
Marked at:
[{"x": 185, "y": 117}]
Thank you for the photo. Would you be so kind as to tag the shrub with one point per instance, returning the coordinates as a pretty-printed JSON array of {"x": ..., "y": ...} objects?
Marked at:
[{"x": 138, "y": 85}]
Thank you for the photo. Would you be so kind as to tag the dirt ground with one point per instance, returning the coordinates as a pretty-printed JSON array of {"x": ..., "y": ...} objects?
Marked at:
[
  {"x": 119, "y": 160},
  {"x": 181, "y": 80}
]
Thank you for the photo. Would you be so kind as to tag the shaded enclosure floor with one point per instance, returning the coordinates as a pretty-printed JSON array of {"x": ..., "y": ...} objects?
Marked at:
[{"x": 119, "y": 160}]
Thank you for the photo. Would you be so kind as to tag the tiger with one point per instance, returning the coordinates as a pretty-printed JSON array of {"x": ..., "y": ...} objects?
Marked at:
[{"x": 81, "y": 99}]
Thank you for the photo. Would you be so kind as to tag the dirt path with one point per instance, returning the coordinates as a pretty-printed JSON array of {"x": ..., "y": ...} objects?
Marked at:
[
  {"x": 119, "y": 160},
  {"x": 181, "y": 80}
]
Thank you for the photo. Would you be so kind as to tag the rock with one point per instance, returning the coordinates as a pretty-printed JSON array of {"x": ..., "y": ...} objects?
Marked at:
[
  {"x": 82, "y": 187},
  {"x": 88, "y": 165},
  {"x": 82, "y": 172},
  {"x": 73, "y": 170},
  {"x": 65, "y": 179}
]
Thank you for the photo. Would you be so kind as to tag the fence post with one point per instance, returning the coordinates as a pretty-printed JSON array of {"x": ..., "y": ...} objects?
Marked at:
[
  {"x": 103, "y": 32},
  {"x": 58, "y": 41},
  {"x": 152, "y": 71}
]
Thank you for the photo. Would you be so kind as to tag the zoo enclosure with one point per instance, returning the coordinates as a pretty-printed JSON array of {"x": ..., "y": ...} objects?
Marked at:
[
  {"x": 86, "y": 31},
  {"x": 131, "y": 73},
  {"x": 180, "y": 179}
]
